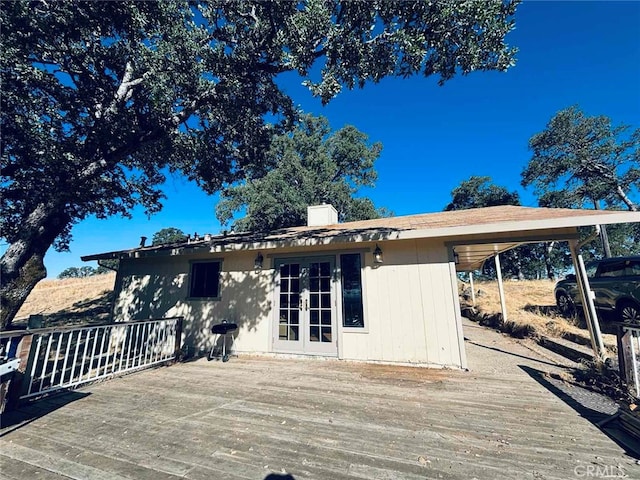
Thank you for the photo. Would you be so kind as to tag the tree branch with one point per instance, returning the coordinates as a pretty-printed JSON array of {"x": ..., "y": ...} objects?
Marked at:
[{"x": 122, "y": 94}]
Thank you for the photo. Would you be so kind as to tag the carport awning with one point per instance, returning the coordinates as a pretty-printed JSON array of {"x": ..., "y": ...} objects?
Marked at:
[
  {"x": 472, "y": 251},
  {"x": 471, "y": 257}
]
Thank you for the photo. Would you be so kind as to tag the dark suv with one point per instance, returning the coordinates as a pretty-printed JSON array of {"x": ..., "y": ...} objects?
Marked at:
[{"x": 616, "y": 284}]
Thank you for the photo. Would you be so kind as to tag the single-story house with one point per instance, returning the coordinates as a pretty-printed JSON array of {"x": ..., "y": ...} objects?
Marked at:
[{"x": 382, "y": 290}]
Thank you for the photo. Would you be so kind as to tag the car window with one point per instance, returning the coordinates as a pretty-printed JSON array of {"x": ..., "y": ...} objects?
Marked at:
[
  {"x": 591, "y": 268},
  {"x": 632, "y": 268},
  {"x": 611, "y": 269}
]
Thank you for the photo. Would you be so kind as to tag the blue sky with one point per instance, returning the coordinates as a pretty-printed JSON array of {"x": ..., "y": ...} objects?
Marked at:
[{"x": 585, "y": 53}]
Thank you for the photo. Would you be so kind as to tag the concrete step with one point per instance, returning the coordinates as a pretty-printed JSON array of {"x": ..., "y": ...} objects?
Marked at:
[{"x": 566, "y": 348}]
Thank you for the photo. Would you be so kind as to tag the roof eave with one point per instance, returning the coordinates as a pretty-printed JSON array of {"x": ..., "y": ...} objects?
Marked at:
[{"x": 380, "y": 234}]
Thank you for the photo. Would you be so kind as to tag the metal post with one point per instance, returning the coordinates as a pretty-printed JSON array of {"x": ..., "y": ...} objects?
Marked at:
[
  {"x": 178, "y": 338},
  {"x": 503, "y": 303},
  {"x": 473, "y": 290},
  {"x": 586, "y": 295}
]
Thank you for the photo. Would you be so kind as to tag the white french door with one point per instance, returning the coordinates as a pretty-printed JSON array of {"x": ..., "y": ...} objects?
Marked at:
[{"x": 305, "y": 306}]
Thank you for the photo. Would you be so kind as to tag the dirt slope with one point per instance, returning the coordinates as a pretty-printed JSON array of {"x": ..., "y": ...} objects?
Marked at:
[{"x": 78, "y": 300}]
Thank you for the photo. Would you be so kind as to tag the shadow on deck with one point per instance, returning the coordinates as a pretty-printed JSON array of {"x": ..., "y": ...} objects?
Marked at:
[
  {"x": 594, "y": 407},
  {"x": 27, "y": 413}
]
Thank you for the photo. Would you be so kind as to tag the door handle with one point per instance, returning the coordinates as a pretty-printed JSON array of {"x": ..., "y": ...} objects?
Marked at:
[
  {"x": 300, "y": 303},
  {"x": 306, "y": 304}
]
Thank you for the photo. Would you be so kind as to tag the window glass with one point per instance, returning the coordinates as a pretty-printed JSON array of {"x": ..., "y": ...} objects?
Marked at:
[
  {"x": 632, "y": 268},
  {"x": 352, "y": 311},
  {"x": 612, "y": 269},
  {"x": 205, "y": 280}
]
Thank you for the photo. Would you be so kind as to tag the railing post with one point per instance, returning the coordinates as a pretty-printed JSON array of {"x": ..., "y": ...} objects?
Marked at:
[
  {"x": 622, "y": 367},
  {"x": 20, "y": 380},
  {"x": 178, "y": 340},
  {"x": 30, "y": 349},
  {"x": 629, "y": 368}
]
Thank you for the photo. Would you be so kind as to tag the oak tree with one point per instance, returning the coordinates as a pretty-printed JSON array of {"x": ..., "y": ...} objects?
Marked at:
[
  {"x": 581, "y": 161},
  {"x": 168, "y": 235},
  {"x": 308, "y": 166},
  {"x": 100, "y": 99},
  {"x": 478, "y": 192}
]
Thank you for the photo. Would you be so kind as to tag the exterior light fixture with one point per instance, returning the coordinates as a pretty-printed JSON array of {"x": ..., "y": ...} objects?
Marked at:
[
  {"x": 377, "y": 255},
  {"x": 456, "y": 258},
  {"x": 257, "y": 263}
]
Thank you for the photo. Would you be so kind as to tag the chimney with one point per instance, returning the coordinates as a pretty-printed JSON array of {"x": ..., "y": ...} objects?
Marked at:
[
  {"x": 143, "y": 240},
  {"x": 320, "y": 215}
]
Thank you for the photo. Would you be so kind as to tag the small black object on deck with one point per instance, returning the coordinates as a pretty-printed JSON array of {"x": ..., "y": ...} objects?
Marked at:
[{"x": 223, "y": 329}]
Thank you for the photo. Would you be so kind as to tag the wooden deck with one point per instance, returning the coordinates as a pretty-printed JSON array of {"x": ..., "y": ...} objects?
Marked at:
[{"x": 252, "y": 417}]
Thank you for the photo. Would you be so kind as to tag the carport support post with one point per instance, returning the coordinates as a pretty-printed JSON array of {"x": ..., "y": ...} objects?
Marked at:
[
  {"x": 473, "y": 292},
  {"x": 503, "y": 303},
  {"x": 589, "y": 308}
]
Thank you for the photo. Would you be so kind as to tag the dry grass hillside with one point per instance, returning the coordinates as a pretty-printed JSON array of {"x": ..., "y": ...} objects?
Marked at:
[
  {"x": 70, "y": 301},
  {"x": 531, "y": 309}
]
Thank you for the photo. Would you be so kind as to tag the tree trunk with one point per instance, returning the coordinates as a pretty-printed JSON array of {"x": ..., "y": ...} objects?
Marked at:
[
  {"x": 604, "y": 238},
  {"x": 22, "y": 265},
  {"x": 14, "y": 292},
  {"x": 627, "y": 201},
  {"x": 517, "y": 264},
  {"x": 547, "y": 260}
]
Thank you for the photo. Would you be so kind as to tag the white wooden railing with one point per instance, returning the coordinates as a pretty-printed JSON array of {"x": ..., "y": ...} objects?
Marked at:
[
  {"x": 67, "y": 357},
  {"x": 629, "y": 345}
]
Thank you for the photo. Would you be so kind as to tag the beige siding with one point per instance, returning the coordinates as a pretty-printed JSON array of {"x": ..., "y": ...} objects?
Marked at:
[
  {"x": 159, "y": 287},
  {"x": 410, "y": 307},
  {"x": 409, "y": 303}
]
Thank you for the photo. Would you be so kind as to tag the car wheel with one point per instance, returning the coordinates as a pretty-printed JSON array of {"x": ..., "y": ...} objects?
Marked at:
[
  {"x": 565, "y": 304},
  {"x": 629, "y": 312}
]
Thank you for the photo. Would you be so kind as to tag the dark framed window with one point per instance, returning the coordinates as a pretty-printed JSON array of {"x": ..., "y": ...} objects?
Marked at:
[
  {"x": 205, "y": 279},
  {"x": 351, "y": 274},
  {"x": 612, "y": 269}
]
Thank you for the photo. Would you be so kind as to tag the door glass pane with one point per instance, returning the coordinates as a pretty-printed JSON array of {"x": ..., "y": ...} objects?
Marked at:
[
  {"x": 314, "y": 334},
  {"x": 314, "y": 300},
  {"x": 283, "y": 332},
  {"x": 289, "y": 312},
  {"x": 325, "y": 269},
  {"x": 294, "y": 300},
  {"x": 320, "y": 302},
  {"x": 326, "y": 334},
  {"x": 313, "y": 270},
  {"x": 326, "y": 300},
  {"x": 294, "y": 333}
]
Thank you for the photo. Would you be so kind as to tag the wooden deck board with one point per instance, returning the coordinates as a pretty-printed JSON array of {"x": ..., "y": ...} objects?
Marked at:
[{"x": 316, "y": 419}]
